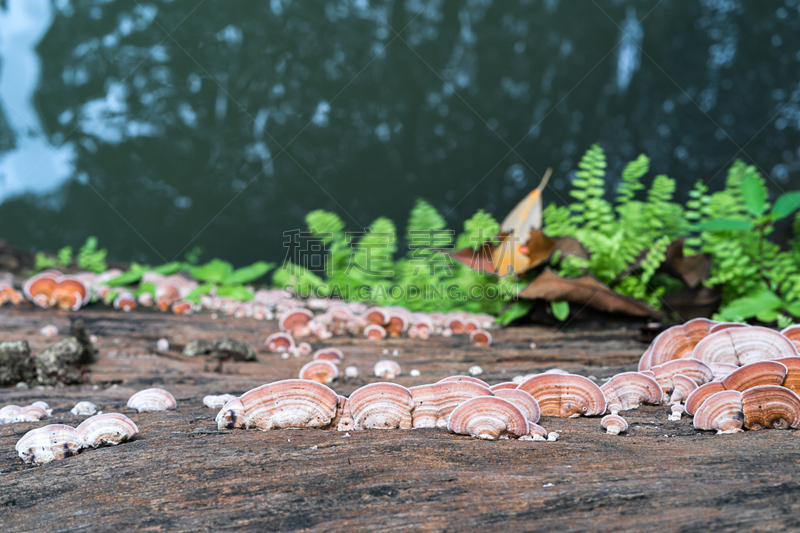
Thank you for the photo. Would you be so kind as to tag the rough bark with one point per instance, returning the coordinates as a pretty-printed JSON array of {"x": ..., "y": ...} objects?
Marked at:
[{"x": 181, "y": 473}]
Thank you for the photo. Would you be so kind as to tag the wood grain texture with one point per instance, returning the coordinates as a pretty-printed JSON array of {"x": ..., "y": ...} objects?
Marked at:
[{"x": 182, "y": 474}]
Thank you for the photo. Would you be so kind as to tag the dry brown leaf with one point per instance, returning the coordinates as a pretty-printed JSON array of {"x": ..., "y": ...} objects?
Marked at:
[
  {"x": 691, "y": 270},
  {"x": 512, "y": 256},
  {"x": 585, "y": 290}
]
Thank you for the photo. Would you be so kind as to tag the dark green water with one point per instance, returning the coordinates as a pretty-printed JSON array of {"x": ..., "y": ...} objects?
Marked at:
[{"x": 160, "y": 125}]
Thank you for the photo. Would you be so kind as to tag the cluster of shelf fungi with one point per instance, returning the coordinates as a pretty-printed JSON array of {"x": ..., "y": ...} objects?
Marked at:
[{"x": 729, "y": 377}]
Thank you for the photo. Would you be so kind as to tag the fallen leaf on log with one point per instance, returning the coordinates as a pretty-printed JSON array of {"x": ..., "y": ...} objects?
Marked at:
[
  {"x": 585, "y": 290},
  {"x": 690, "y": 269},
  {"x": 512, "y": 257}
]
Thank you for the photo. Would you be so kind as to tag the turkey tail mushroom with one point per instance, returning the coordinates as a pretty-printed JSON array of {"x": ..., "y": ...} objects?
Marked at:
[
  {"x": 489, "y": 418},
  {"x": 434, "y": 403},
  {"x": 381, "y": 406},
  {"x": 566, "y": 396}
]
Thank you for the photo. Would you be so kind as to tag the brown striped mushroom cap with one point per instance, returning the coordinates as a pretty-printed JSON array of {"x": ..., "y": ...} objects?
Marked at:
[
  {"x": 488, "y": 417},
  {"x": 755, "y": 374},
  {"x": 387, "y": 369},
  {"x": 398, "y": 324},
  {"x": 32, "y": 413},
  {"x": 152, "y": 400},
  {"x": 381, "y": 406},
  {"x": 108, "y": 429},
  {"x": 321, "y": 371},
  {"x": 613, "y": 424},
  {"x": 535, "y": 430},
  {"x": 279, "y": 342},
  {"x": 682, "y": 387},
  {"x": 343, "y": 421},
  {"x": 232, "y": 415},
  {"x": 455, "y": 324},
  {"x": 10, "y": 413},
  {"x": 742, "y": 346},
  {"x": 721, "y": 412},
  {"x": 792, "y": 379},
  {"x": 333, "y": 355},
  {"x": 629, "y": 390},
  {"x": 70, "y": 293},
  {"x": 793, "y": 334},
  {"x": 701, "y": 394},
  {"x": 480, "y": 337},
  {"x": 295, "y": 321},
  {"x": 465, "y": 378},
  {"x": 374, "y": 332},
  {"x": 693, "y": 369},
  {"x": 377, "y": 316},
  {"x": 770, "y": 406},
  {"x": 471, "y": 325},
  {"x": 567, "y": 396},
  {"x": 726, "y": 325},
  {"x": 125, "y": 302},
  {"x": 49, "y": 443},
  {"x": 720, "y": 370},
  {"x": 524, "y": 402},
  {"x": 675, "y": 343},
  {"x": 291, "y": 403},
  {"x": 38, "y": 288},
  {"x": 434, "y": 402},
  {"x": 504, "y": 385}
]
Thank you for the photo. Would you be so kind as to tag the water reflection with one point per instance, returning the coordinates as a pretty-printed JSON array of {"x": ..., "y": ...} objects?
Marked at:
[
  {"x": 32, "y": 165},
  {"x": 249, "y": 114}
]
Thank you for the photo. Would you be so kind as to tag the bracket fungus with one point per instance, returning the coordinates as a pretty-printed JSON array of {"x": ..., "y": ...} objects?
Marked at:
[
  {"x": 792, "y": 379},
  {"x": 377, "y": 316},
  {"x": 38, "y": 288},
  {"x": 524, "y": 402},
  {"x": 566, "y": 396},
  {"x": 329, "y": 354},
  {"x": 701, "y": 394},
  {"x": 504, "y": 385},
  {"x": 320, "y": 370},
  {"x": 676, "y": 342},
  {"x": 614, "y": 424},
  {"x": 720, "y": 370},
  {"x": 793, "y": 334},
  {"x": 84, "y": 409},
  {"x": 398, "y": 324},
  {"x": 455, "y": 324},
  {"x": 682, "y": 387},
  {"x": 374, "y": 332},
  {"x": 387, "y": 369},
  {"x": 755, "y": 374},
  {"x": 770, "y": 406},
  {"x": 125, "y": 302},
  {"x": 70, "y": 293},
  {"x": 217, "y": 402},
  {"x": 49, "y": 443},
  {"x": 465, "y": 378},
  {"x": 741, "y": 346},
  {"x": 107, "y": 429},
  {"x": 480, "y": 337},
  {"x": 629, "y": 390},
  {"x": 295, "y": 321},
  {"x": 279, "y": 342},
  {"x": 152, "y": 400},
  {"x": 291, "y": 403},
  {"x": 489, "y": 418},
  {"x": 434, "y": 402},
  {"x": 30, "y": 413},
  {"x": 381, "y": 406},
  {"x": 721, "y": 412},
  {"x": 232, "y": 415}
]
